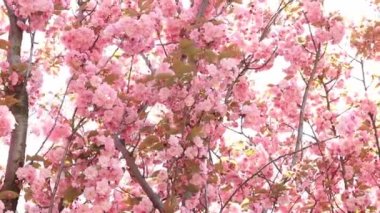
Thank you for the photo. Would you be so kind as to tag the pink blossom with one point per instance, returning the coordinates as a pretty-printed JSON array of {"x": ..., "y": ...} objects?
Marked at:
[
  {"x": 95, "y": 81},
  {"x": 348, "y": 124},
  {"x": 241, "y": 90},
  {"x": 80, "y": 39},
  {"x": 197, "y": 179},
  {"x": 235, "y": 208},
  {"x": 165, "y": 69},
  {"x": 59, "y": 132},
  {"x": 90, "y": 193},
  {"x": 2, "y": 207},
  {"x": 213, "y": 32},
  {"x": 55, "y": 155},
  {"x": 337, "y": 31},
  {"x": 189, "y": 101},
  {"x": 13, "y": 78},
  {"x": 102, "y": 187},
  {"x": 7, "y": 121},
  {"x": 191, "y": 203},
  {"x": 198, "y": 142},
  {"x": 104, "y": 161},
  {"x": 314, "y": 12},
  {"x": 229, "y": 63},
  {"x": 105, "y": 96},
  {"x": 191, "y": 152},
  {"x": 38, "y": 12},
  {"x": 175, "y": 149},
  {"x": 164, "y": 94},
  {"x": 168, "y": 7},
  {"x": 368, "y": 106},
  {"x": 145, "y": 205},
  {"x": 27, "y": 173},
  {"x": 91, "y": 173},
  {"x": 205, "y": 105}
]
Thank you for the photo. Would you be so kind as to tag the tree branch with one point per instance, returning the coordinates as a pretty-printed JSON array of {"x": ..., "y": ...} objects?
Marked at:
[
  {"x": 16, "y": 154},
  {"x": 202, "y": 8},
  {"x": 303, "y": 106},
  {"x": 241, "y": 185},
  {"x": 373, "y": 122},
  {"x": 62, "y": 163},
  {"x": 55, "y": 120},
  {"x": 267, "y": 27},
  {"x": 137, "y": 176}
]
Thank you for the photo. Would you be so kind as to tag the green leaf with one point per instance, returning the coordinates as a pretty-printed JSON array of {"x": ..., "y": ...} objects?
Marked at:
[
  {"x": 231, "y": 51},
  {"x": 4, "y": 44},
  {"x": 36, "y": 165},
  {"x": 8, "y": 100},
  {"x": 277, "y": 189},
  {"x": 195, "y": 131},
  {"x": 8, "y": 195},
  {"x": 212, "y": 178},
  {"x": 111, "y": 78},
  {"x": 166, "y": 79},
  {"x": 181, "y": 68},
  {"x": 28, "y": 194},
  {"x": 145, "y": 5},
  {"x": 20, "y": 67},
  {"x": 189, "y": 49},
  {"x": 131, "y": 201},
  {"x": 210, "y": 56},
  {"x": 92, "y": 133},
  {"x": 130, "y": 12},
  {"x": 170, "y": 204},
  {"x": 71, "y": 194},
  {"x": 151, "y": 143},
  {"x": 35, "y": 158},
  {"x": 191, "y": 167},
  {"x": 192, "y": 188}
]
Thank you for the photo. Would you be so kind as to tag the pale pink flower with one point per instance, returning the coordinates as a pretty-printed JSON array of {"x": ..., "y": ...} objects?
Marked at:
[
  {"x": 105, "y": 96},
  {"x": 164, "y": 94},
  {"x": 13, "y": 78},
  {"x": 191, "y": 152},
  {"x": 27, "y": 173},
  {"x": 102, "y": 187},
  {"x": 91, "y": 173},
  {"x": 7, "y": 121}
]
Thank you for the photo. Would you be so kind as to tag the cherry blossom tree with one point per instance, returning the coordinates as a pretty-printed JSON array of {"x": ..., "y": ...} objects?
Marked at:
[{"x": 156, "y": 86}]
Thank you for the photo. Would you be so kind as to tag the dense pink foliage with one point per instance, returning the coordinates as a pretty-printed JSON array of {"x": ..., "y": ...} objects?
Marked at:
[{"x": 176, "y": 84}]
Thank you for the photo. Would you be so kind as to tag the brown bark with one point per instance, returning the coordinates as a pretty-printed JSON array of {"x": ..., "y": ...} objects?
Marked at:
[
  {"x": 303, "y": 106},
  {"x": 16, "y": 155},
  {"x": 137, "y": 176}
]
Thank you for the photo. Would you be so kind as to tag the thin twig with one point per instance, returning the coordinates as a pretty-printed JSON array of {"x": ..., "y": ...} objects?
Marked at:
[
  {"x": 246, "y": 63},
  {"x": 303, "y": 106},
  {"x": 29, "y": 68},
  {"x": 137, "y": 176},
  {"x": 241, "y": 185},
  {"x": 363, "y": 75},
  {"x": 148, "y": 64},
  {"x": 62, "y": 164},
  {"x": 202, "y": 8},
  {"x": 373, "y": 122},
  {"x": 55, "y": 120},
  {"x": 129, "y": 74},
  {"x": 267, "y": 27}
]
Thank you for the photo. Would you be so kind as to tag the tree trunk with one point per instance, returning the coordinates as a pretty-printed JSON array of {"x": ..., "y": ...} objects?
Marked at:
[{"x": 16, "y": 155}]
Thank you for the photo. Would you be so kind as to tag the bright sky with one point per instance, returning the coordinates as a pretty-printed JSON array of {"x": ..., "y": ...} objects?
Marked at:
[{"x": 352, "y": 10}]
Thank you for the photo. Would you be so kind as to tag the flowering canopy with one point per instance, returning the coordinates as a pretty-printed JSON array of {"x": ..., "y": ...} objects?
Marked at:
[{"x": 163, "y": 112}]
